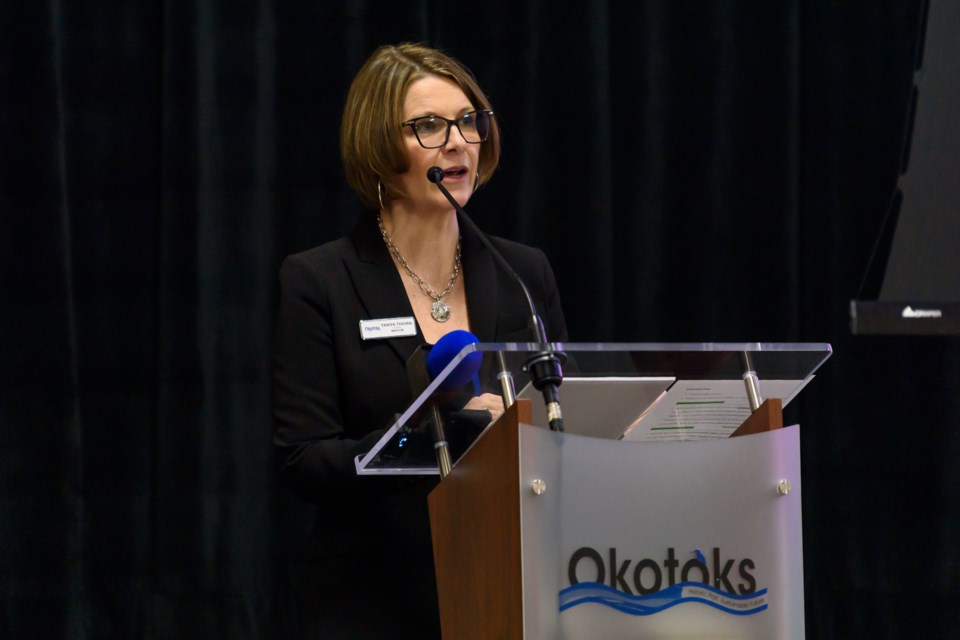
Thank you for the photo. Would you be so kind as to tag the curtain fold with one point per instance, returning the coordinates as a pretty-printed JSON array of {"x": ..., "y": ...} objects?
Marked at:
[{"x": 40, "y": 400}]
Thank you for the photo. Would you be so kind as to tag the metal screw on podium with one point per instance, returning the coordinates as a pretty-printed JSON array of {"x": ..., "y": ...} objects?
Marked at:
[
  {"x": 784, "y": 487},
  {"x": 538, "y": 486}
]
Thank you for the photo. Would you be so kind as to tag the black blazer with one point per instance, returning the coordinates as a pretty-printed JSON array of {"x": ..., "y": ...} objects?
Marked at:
[{"x": 335, "y": 394}]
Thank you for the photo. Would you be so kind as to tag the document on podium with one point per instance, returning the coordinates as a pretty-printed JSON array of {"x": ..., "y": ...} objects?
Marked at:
[{"x": 705, "y": 409}]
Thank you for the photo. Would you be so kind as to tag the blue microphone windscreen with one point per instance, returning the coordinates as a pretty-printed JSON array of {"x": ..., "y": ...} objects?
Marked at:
[{"x": 443, "y": 353}]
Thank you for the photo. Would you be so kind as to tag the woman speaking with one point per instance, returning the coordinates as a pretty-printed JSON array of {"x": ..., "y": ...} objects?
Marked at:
[{"x": 410, "y": 108}]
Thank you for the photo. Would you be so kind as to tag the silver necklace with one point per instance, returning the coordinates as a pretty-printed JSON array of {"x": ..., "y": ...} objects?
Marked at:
[{"x": 439, "y": 310}]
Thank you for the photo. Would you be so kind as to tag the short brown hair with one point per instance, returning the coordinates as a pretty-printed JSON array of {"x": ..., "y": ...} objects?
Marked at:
[{"x": 371, "y": 142}]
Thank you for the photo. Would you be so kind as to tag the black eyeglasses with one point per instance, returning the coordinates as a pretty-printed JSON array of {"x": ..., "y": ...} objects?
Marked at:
[{"x": 433, "y": 131}]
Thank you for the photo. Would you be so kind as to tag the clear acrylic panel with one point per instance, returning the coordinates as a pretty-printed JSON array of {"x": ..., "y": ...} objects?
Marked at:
[{"x": 407, "y": 447}]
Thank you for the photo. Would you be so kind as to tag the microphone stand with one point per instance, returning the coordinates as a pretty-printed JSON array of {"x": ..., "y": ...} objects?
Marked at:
[
  {"x": 544, "y": 366},
  {"x": 419, "y": 379}
]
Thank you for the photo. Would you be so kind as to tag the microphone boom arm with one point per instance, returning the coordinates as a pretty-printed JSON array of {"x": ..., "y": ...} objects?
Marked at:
[{"x": 544, "y": 366}]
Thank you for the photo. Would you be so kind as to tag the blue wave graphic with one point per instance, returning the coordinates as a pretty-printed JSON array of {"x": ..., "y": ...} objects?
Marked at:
[{"x": 664, "y": 599}]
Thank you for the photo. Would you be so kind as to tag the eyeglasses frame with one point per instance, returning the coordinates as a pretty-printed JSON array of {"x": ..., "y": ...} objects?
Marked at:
[{"x": 450, "y": 123}]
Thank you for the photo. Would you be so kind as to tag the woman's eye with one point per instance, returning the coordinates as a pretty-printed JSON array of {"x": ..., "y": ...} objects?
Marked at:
[{"x": 428, "y": 125}]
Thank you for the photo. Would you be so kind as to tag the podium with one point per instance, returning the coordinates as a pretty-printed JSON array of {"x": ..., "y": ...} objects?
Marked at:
[{"x": 644, "y": 518}]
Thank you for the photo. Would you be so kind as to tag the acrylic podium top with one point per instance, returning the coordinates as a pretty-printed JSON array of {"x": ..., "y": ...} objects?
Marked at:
[{"x": 608, "y": 376}]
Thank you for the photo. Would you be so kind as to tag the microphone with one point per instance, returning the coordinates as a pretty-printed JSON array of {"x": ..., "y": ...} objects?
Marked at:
[
  {"x": 428, "y": 362},
  {"x": 435, "y": 175},
  {"x": 443, "y": 353},
  {"x": 544, "y": 367}
]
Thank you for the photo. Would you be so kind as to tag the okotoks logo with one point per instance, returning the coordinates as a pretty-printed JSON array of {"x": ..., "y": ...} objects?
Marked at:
[{"x": 648, "y": 585}]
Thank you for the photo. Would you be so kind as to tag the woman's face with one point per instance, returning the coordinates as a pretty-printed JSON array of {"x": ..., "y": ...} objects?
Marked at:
[{"x": 436, "y": 96}]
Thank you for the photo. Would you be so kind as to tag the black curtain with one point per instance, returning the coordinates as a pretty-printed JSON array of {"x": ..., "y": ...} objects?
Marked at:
[{"x": 697, "y": 171}]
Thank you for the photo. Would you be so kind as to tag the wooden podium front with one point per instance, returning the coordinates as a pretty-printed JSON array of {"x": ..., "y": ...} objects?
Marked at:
[{"x": 475, "y": 523}]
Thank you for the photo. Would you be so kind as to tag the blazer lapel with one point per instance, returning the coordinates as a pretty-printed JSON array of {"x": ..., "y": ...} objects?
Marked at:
[{"x": 378, "y": 285}]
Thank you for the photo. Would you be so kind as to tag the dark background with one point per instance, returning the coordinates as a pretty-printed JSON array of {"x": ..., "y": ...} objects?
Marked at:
[{"x": 696, "y": 171}]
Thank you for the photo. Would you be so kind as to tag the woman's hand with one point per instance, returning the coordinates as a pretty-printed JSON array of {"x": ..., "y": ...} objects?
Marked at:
[{"x": 487, "y": 402}]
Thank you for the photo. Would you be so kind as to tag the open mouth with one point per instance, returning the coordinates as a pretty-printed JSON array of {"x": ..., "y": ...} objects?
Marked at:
[{"x": 455, "y": 172}]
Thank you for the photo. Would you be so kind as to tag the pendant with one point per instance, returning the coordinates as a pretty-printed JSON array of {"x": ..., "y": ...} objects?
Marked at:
[{"x": 439, "y": 311}]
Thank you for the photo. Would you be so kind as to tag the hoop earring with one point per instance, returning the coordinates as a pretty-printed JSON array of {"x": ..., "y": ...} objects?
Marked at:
[
  {"x": 380, "y": 193},
  {"x": 476, "y": 182}
]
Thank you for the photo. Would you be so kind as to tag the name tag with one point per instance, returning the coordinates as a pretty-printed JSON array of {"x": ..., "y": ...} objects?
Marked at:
[{"x": 387, "y": 328}]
